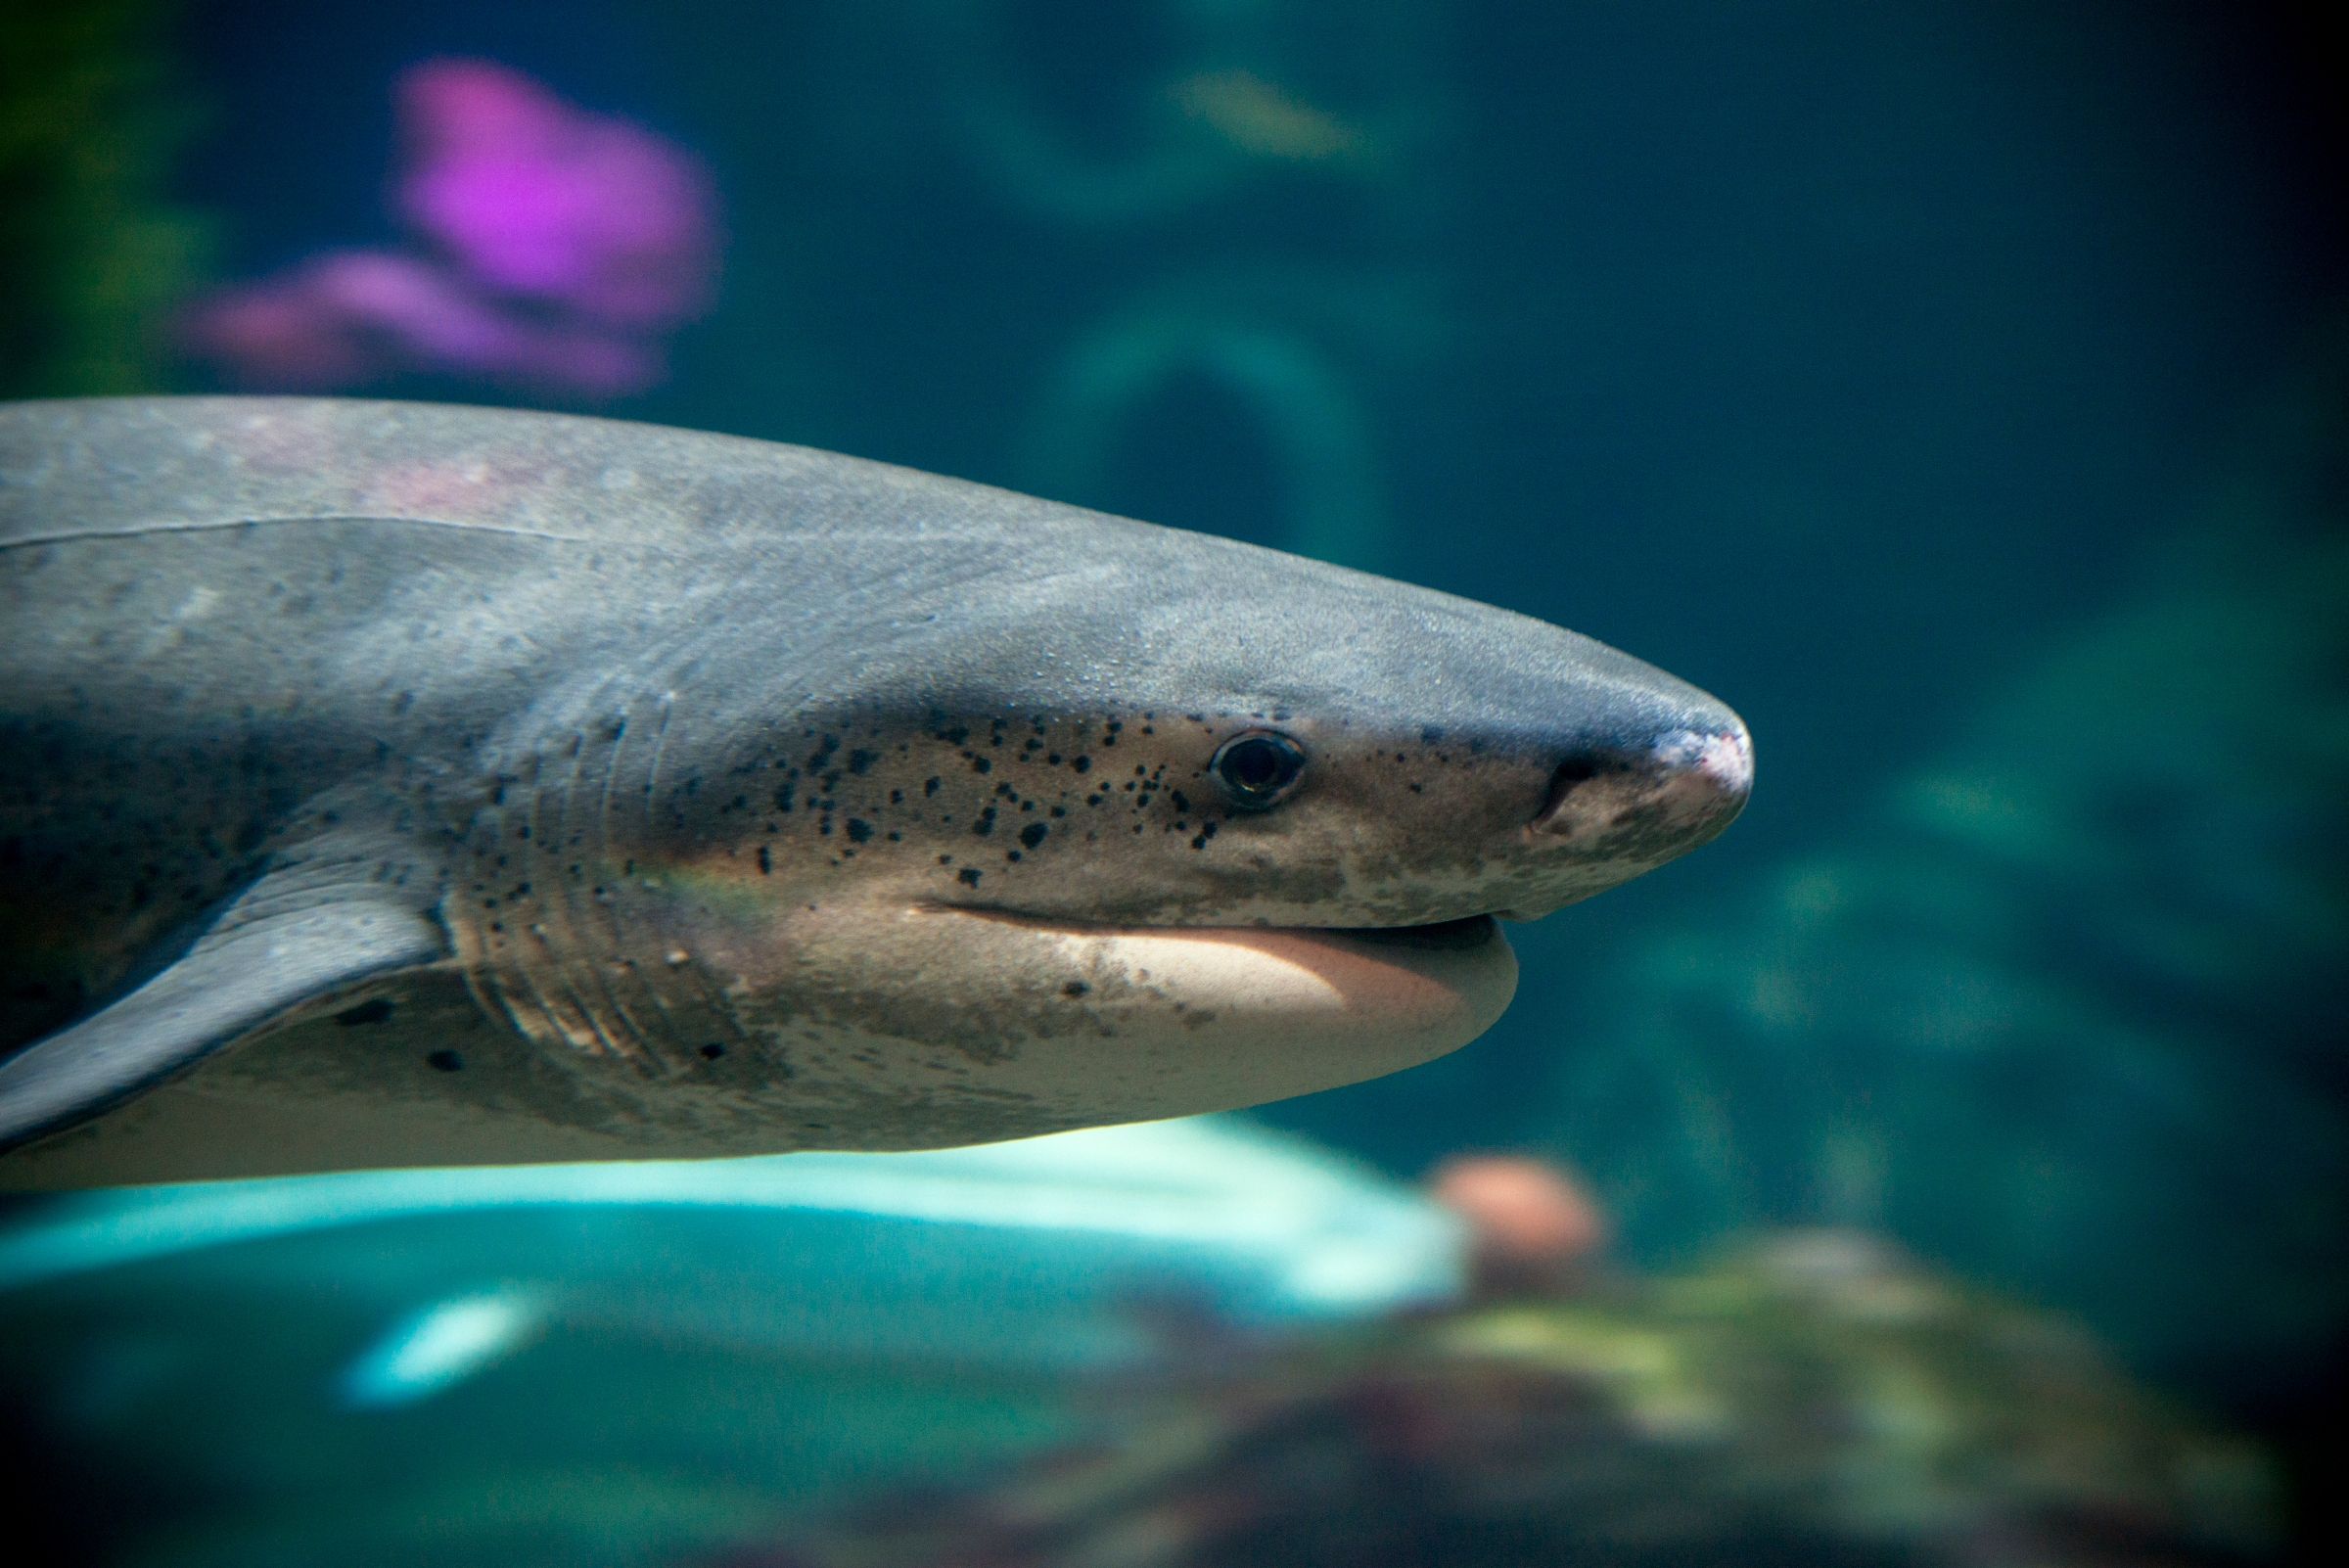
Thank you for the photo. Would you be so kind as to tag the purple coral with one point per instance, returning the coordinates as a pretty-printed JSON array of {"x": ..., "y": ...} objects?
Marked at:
[
  {"x": 563, "y": 245},
  {"x": 538, "y": 200}
]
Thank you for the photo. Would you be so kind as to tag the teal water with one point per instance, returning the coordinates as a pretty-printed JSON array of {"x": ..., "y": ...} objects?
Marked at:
[{"x": 1957, "y": 389}]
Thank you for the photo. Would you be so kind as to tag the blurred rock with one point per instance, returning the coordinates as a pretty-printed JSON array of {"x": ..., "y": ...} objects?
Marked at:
[
  {"x": 1812, "y": 1398},
  {"x": 1533, "y": 1225}
]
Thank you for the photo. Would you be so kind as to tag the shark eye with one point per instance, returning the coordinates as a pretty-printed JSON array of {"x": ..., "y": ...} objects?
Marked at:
[{"x": 1257, "y": 768}]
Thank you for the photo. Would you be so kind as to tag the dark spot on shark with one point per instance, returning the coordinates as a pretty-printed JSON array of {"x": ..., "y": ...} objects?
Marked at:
[
  {"x": 713, "y": 1051},
  {"x": 1075, "y": 987},
  {"x": 930, "y": 788},
  {"x": 1034, "y": 834},
  {"x": 1082, "y": 765},
  {"x": 446, "y": 1061},
  {"x": 970, "y": 877},
  {"x": 766, "y": 863},
  {"x": 860, "y": 762},
  {"x": 376, "y": 1011},
  {"x": 860, "y": 830}
]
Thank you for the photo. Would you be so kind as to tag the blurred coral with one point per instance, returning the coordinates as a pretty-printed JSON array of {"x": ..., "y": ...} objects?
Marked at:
[
  {"x": 564, "y": 245},
  {"x": 352, "y": 316},
  {"x": 1813, "y": 1397},
  {"x": 536, "y": 199}
]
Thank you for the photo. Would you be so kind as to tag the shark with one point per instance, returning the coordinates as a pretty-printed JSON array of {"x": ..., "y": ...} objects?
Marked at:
[{"x": 389, "y": 784}]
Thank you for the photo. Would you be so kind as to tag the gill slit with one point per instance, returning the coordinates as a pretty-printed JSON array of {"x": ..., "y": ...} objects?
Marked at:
[
  {"x": 652, "y": 774},
  {"x": 638, "y": 1048}
]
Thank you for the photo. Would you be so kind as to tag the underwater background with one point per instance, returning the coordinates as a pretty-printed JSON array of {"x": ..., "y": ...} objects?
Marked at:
[{"x": 1961, "y": 391}]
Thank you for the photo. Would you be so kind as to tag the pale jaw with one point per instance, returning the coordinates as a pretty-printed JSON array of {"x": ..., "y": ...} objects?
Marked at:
[
  {"x": 997, "y": 1025},
  {"x": 1040, "y": 1025}
]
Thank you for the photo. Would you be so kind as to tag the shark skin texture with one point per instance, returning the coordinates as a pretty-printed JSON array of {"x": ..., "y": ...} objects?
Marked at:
[{"x": 392, "y": 784}]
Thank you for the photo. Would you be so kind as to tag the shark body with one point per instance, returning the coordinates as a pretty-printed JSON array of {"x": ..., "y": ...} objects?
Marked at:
[{"x": 389, "y": 784}]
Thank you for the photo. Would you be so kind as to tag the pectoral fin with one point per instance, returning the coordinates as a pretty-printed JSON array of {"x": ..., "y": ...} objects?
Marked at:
[{"x": 250, "y": 967}]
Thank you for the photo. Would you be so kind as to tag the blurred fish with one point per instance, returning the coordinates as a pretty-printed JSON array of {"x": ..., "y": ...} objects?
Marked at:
[
  {"x": 604, "y": 1364},
  {"x": 1259, "y": 116},
  {"x": 441, "y": 1346},
  {"x": 392, "y": 785},
  {"x": 1264, "y": 1227},
  {"x": 1197, "y": 103}
]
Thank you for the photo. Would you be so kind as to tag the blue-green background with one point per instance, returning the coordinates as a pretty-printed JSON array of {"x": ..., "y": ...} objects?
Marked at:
[{"x": 1850, "y": 360}]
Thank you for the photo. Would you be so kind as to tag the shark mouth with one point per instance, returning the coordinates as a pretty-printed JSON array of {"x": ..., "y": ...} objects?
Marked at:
[
  {"x": 1046, "y": 1024},
  {"x": 1236, "y": 1015},
  {"x": 1465, "y": 935}
]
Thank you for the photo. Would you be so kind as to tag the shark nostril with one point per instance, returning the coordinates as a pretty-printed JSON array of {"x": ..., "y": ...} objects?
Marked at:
[{"x": 1571, "y": 772}]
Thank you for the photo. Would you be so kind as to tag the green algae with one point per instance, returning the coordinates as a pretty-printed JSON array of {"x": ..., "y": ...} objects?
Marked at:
[{"x": 93, "y": 117}]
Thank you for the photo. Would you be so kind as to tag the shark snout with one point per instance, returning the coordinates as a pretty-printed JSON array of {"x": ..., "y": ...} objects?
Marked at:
[{"x": 1653, "y": 799}]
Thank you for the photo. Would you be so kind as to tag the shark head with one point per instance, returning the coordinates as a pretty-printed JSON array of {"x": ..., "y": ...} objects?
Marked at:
[{"x": 1145, "y": 823}]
